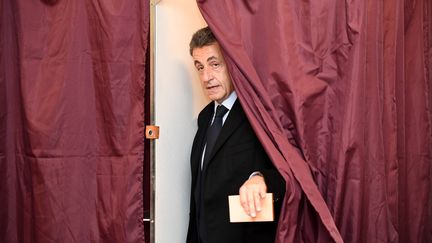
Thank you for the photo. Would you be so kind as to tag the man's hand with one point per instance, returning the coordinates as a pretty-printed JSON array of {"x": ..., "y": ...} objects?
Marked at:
[{"x": 251, "y": 194}]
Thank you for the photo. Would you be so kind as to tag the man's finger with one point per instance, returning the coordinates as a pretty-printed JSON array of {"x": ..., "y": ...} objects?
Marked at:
[
  {"x": 263, "y": 192},
  {"x": 257, "y": 199},
  {"x": 244, "y": 200},
  {"x": 251, "y": 203}
]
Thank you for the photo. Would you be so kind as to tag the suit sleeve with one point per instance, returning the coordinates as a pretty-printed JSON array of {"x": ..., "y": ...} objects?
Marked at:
[{"x": 273, "y": 179}]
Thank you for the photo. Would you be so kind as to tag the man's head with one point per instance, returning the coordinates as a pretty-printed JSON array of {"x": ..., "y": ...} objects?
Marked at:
[{"x": 211, "y": 66}]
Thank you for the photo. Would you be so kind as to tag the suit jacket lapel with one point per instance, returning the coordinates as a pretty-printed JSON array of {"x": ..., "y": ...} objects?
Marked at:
[
  {"x": 234, "y": 119},
  {"x": 199, "y": 143}
]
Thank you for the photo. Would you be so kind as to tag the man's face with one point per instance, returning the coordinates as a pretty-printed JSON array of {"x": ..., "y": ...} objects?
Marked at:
[{"x": 213, "y": 72}]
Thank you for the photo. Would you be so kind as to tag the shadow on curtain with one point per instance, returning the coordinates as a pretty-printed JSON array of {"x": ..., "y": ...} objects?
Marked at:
[
  {"x": 72, "y": 77},
  {"x": 339, "y": 93}
]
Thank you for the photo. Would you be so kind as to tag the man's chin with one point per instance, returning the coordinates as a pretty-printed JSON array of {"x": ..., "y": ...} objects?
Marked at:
[
  {"x": 213, "y": 97},
  {"x": 217, "y": 97}
]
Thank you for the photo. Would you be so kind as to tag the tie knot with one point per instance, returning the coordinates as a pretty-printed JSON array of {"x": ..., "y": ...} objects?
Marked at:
[{"x": 221, "y": 111}]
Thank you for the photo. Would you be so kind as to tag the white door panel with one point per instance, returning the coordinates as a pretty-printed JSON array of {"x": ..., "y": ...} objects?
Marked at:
[{"x": 178, "y": 99}]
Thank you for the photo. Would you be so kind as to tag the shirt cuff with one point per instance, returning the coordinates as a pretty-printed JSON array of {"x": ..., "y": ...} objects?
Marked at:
[{"x": 256, "y": 173}]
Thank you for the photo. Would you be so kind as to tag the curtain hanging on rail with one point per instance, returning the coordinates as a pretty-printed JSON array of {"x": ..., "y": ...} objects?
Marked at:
[
  {"x": 72, "y": 77},
  {"x": 339, "y": 93}
]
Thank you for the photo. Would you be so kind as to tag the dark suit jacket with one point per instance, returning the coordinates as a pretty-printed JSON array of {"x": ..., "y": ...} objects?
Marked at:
[{"x": 236, "y": 154}]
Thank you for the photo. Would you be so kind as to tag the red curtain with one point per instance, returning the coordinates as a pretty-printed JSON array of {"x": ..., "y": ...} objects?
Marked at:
[
  {"x": 72, "y": 79},
  {"x": 339, "y": 93}
]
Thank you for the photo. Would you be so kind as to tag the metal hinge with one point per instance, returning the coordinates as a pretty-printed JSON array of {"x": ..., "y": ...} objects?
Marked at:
[
  {"x": 152, "y": 132},
  {"x": 147, "y": 217}
]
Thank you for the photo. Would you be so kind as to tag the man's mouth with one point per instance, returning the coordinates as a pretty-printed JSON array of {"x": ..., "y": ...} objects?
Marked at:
[{"x": 212, "y": 87}]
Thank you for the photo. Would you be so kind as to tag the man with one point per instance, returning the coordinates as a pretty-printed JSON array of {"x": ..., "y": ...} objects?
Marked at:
[{"x": 226, "y": 158}]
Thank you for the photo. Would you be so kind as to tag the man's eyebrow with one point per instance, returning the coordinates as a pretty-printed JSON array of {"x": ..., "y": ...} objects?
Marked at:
[
  {"x": 211, "y": 58},
  {"x": 196, "y": 62}
]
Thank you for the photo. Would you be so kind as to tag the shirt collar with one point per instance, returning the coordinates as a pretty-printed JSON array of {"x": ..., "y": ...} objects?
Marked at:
[{"x": 228, "y": 102}]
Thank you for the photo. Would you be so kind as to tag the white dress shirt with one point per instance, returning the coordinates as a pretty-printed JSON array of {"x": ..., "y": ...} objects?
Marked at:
[{"x": 228, "y": 103}]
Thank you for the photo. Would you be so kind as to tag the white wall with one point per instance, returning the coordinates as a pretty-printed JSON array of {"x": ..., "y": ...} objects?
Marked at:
[{"x": 178, "y": 100}]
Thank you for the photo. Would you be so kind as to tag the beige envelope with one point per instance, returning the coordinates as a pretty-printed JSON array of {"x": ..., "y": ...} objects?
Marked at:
[{"x": 237, "y": 214}]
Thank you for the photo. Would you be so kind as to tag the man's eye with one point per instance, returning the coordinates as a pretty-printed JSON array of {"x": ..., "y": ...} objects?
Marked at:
[
  {"x": 199, "y": 68},
  {"x": 215, "y": 65}
]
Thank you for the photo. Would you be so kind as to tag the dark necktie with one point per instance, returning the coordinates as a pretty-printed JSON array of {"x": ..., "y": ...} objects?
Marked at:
[{"x": 212, "y": 133}]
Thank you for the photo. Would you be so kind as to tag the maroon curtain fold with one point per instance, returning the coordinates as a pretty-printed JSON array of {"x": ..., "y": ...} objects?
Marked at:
[
  {"x": 72, "y": 77},
  {"x": 339, "y": 93}
]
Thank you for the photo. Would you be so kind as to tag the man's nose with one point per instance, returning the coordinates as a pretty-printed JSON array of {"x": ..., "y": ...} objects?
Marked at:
[{"x": 207, "y": 74}]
